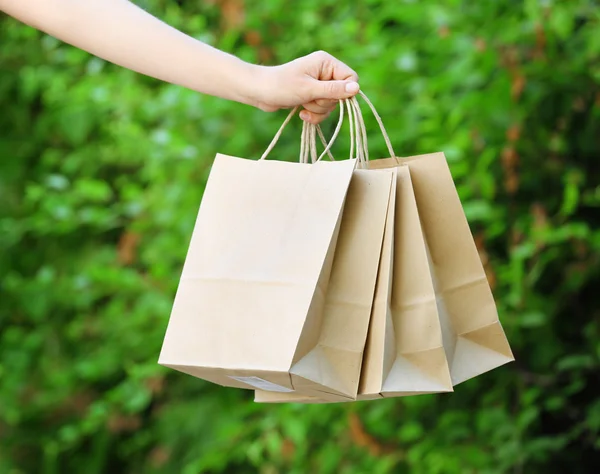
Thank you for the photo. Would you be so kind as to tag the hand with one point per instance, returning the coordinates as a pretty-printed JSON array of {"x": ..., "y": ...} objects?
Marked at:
[{"x": 317, "y": 82}]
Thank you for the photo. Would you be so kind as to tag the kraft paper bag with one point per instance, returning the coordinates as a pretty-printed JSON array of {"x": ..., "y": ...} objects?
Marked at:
[
  {"x": 336, "y": 360},
  {"x": 349, "y": 297},
  {"x": 376, "y": 360},
  {"x": 404, "y": 354},
  {"x": 350, "y": 294},
  {"x": 474, "y": 339},
  {"x": 248, "y": 309}
]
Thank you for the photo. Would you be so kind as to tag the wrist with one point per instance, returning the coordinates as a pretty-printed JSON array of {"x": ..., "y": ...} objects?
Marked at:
[
  {"x": 253, "y": 83},
  {"x": 223, "y": 75}
]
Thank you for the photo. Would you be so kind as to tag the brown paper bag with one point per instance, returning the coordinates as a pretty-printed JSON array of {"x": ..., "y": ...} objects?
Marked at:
[
  {"x": 417, "y": 363},
  {"x": 404, "y": 354},
  {"x": 249, "y": 305},
  {"x": 336, "y": 360},
  {"x": 473, "y": 336},
  {"x": 349, "y": 297}
]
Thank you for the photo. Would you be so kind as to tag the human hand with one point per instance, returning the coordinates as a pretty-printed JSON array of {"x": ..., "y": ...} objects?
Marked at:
[{"x": 317, "y": 82}]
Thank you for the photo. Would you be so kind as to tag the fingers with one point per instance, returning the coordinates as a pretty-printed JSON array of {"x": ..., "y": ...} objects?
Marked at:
[
  {"x": 328, "y": 78},
  {"x": 331, "y": 68},
  {"x": 317, "y": 82},
  {"x": 333, "y": 90},
  {"x": 312, "y": 117},
  {"x": 317, "y": 111},
  {"x": 321, "y": 106}
]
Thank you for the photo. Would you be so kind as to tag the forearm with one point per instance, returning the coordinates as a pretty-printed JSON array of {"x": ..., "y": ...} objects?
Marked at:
[{"x": 122, "y": 33}]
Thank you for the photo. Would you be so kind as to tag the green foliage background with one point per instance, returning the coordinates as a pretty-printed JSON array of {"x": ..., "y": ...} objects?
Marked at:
[{"x": 101, "y": 175}]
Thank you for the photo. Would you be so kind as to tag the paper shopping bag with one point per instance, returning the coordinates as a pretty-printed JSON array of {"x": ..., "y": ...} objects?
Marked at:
[
  {"x": 248, "y": 308},
  {"x": 336, "y": 360},
  {"x": 349, "y": 297},
  {"x": 404, "y": 354},
  {"x": 473, "y": 336},
  {"x": 376, "y": 360},
  {"x": 377, "y": 335}
]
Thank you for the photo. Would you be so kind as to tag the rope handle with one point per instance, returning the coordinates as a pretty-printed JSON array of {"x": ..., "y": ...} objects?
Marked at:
[
  {"x": 303, "y": 143},
  {"x": 357, "y": 135},
  {"x": 308, "y": 140},
  {"x": 386, "y": 137},
  {"x": 358, "y": 132}
]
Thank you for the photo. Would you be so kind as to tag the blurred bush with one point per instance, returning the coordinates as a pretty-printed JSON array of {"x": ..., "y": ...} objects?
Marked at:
[{"x": 101, "y": 174}]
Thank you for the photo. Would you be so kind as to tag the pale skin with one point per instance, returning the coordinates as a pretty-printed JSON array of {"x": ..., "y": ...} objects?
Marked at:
[{"x": 124, "y": 34}]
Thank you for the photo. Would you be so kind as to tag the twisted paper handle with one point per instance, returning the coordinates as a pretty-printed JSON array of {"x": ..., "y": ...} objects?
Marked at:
[
  {"x": 379, "y": 121},
  {"x": 304, "y": 142},
  {"x": 358, "y": 132},
  {"x": 308, "y": 140}
]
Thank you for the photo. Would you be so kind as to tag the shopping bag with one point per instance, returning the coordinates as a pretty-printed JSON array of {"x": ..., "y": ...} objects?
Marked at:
[
  {"x": 336, "y": 360},
  {"x": 404, "y": 353},
  {"x": 414, "y": 361},
  {"x": 349, "y": 296},
  {"x": 379, "y": 352},
  {"x": 474, "y": 339},
  {"x": 249, "y": 305}
]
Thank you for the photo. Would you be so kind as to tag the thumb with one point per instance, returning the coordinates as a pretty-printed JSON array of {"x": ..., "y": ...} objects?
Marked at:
[{"x": 334, "y": 90}]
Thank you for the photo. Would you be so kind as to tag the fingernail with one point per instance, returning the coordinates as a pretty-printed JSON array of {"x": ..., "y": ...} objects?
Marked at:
[
  {"x": 304, "y": 115},
  {"x": 352, "y": 87}
]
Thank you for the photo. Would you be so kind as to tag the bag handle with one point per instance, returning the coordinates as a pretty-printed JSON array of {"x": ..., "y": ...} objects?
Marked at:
[
  {"x": 386, "y": 137},
  {"x": 308, "y": 144},
  {"x": 309, "y": 132},
  {"x": 358, "y": 131},
  {"x": 303, "y": 142}
]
